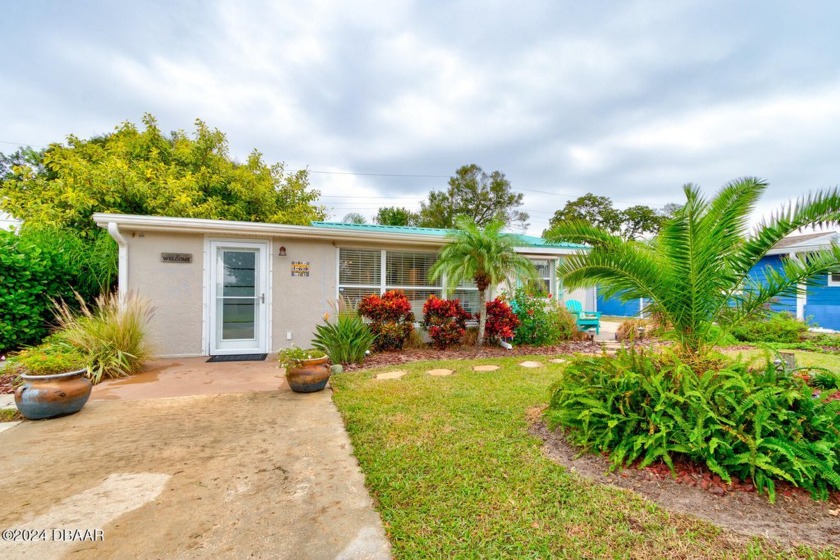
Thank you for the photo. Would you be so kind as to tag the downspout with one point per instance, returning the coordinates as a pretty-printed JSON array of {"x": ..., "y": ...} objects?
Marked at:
[{"x": 122, "y": 267}]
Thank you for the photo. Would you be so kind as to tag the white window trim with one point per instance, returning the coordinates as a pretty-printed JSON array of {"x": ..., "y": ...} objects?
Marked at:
[
  {"x": 832, "y": 283},
  {"x": 383, "y": 285}
]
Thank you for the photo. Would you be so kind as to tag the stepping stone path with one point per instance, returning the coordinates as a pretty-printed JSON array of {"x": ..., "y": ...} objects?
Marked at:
[
  {"x": 485, "y": 368},
  {"x": 531, "y": 364},
  {"x": 440, "y": 372},
  {"x": 391, "y": 375},
  {"x": 558, "y": 361}
]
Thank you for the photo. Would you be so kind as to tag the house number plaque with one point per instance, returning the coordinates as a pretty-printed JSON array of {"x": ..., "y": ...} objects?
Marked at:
[
  {"x": 176, "y": 257},
  {"x": 300, "y": 268}
]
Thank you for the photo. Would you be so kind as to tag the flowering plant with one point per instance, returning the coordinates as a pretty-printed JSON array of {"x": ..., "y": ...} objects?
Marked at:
[{"x": 445, "y": 320}]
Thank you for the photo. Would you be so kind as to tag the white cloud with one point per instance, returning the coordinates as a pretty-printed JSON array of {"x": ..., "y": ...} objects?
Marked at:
[{"x": 629, "y": 102}]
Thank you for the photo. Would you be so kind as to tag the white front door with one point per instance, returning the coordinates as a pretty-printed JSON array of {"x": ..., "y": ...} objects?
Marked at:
[{"x": 238, "y": 292}]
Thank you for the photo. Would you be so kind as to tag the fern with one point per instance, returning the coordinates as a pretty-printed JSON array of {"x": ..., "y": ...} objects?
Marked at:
[{"x": 740, "y": 423}]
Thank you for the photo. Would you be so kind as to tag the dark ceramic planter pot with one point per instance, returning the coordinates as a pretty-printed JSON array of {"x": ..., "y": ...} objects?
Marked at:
[
  {"x": 48, "y": 396},
  {"x": 310, "y": 376}
]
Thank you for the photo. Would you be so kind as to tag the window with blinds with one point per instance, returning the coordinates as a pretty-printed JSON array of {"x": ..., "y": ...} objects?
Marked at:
[
  {"x": 469, "y": 299},
  {"x": 359, "y": 274},
  {"x": 409, "y": 269},
  {"x": 359, "y": 267}
]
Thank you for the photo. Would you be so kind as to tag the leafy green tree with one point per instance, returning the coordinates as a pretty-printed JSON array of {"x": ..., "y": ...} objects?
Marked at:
[
  {"x": 128, "y": 171},
  {"x": 482, "y": 197},
  {"x": 696, "y": 270},
  {"x": 137, "y": 171},
  {"x": 484, "y": 255},
  {"x": 394, "y": 216},
  {"x": 631, "y": 223}
]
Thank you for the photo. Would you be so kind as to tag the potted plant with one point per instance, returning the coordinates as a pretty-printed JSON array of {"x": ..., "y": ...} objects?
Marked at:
[
  {"x": 55, "y": 381},
  {"x": 306, "y": 370}
]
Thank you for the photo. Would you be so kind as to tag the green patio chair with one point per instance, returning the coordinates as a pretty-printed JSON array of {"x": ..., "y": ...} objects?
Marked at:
[{"x": 586, "y": 320}]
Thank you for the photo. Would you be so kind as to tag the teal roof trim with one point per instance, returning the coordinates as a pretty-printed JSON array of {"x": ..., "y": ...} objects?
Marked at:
[
  {"x": 523, "y": 240},
  {"x": 381, "y": 229}
]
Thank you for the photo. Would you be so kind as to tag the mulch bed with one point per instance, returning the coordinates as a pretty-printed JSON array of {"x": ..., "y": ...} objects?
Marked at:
[
  {"x": 6, "y": 380},
  {"x": 794, "y": 519},
  {"x": 399, "y": 357}
]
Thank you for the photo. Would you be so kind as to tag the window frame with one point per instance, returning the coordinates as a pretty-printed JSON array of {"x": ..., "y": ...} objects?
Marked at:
[{"x": 383, "y": 285}]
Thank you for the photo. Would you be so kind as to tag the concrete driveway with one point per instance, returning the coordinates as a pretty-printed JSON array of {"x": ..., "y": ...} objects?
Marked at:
[{"x": 247, "y": 469}]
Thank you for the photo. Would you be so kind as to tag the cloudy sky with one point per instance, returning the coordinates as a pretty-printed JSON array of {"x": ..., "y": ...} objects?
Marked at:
[{"x": 384, "y": 100}]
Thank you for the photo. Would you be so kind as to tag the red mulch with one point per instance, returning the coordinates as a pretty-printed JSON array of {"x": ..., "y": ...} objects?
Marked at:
[
  {"x": 398, "y": 357},
  {"x": 6, "y": 380},
  {"x": 794, "y": 519}
]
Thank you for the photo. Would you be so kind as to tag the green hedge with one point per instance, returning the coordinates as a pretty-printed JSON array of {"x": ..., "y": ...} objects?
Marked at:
[
  {"x": 47, "y": 264},
  {"x": 775, "y": 327}
]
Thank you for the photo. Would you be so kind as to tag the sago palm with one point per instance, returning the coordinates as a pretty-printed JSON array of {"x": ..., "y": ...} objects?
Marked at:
[
  {"x": 696, "y": 271},
  {"x": 484, "y": 255}
]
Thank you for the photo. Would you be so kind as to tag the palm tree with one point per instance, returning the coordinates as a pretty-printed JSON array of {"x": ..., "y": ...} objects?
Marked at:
[
  {"x": 696, "y": 270},
  {"x": 484, "y": 255}
]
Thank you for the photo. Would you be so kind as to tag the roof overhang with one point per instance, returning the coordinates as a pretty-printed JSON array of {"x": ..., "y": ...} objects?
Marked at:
[
  {"x": 259, "y": 229},
  {"x": 809, "y": 246}
]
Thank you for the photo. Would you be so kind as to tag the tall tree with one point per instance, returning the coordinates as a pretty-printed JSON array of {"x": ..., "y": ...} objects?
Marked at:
[
  {"x": 482, "y": 197},
  {"x": 631, "y": 223},
  {"x": 484, "y": 255},
  {"x": 697, "y": 269},
  {"x": 394, "y": 216},
  {"x": 146, "y": 172}
]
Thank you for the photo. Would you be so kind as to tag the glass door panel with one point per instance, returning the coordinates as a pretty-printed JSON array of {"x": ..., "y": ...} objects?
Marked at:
[
  {"x": 237, "y": 294},
  {"x": 238, "y": 310}
]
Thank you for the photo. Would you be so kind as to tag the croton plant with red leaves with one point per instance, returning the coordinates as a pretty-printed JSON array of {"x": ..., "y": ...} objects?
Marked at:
[
  {"x": 501, "y": 321},
  {"x": 445, "y": 320},
  {"x": 391, "y": 319}
]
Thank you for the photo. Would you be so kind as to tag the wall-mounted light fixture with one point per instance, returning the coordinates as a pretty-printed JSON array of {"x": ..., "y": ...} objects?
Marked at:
[{"x": 282, "y": 252}]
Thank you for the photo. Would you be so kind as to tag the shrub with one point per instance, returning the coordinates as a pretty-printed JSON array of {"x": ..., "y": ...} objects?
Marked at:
[
  {"x": 346, "y": 341},
  {"x": 111, "y": 337},
  {"x": 542, "y": 321},
  {"x": 44, "y": 264},
  {"x": 629, "y": 329},
  {"x": 445, "y": 320},
  {"x": 502, "y": 322},
  {"x": 825, "y": 380},
  {"x": 752, "y": 425},
  {"x": 294, "y": 356},
  {"x": 775, "y": 327},
  {"x": 391, "y": 319},
  {"x": 48, "y": 358}
]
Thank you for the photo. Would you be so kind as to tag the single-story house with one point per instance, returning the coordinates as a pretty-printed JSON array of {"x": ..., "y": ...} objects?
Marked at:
[
  {"x": 223, "y": 287},
  {"x": 819, "y": 304}
]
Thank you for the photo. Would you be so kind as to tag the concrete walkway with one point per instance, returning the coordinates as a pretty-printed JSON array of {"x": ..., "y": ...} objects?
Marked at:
[{"x": 259, "y": 473}]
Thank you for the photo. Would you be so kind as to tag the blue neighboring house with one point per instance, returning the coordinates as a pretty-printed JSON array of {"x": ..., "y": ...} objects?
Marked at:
[
  {"x": 820, "y": 302},
  {"x": 819, "y": 305}
]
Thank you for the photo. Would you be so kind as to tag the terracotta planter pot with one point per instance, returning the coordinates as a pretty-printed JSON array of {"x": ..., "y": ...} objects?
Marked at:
[
  {"x": 310, "y": 376},
  {"x": 48, "y": 396}
]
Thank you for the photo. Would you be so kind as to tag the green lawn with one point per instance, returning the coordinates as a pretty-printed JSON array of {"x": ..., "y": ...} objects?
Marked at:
[
  {"x": 803, "y": 358},
  {"x": 455, "y": 473}
]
